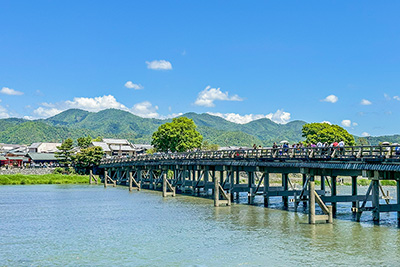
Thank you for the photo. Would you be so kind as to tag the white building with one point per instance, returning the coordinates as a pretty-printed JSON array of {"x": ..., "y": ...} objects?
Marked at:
[
  {"x": 43, "y": 147},
  {"x": 116, "y": 147}
]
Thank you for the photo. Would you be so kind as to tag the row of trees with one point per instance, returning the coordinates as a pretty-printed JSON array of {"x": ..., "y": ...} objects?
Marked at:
[{"x": 87, "y": 158}]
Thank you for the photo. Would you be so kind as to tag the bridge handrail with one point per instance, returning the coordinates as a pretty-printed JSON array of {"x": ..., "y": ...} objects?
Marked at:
[{"x": 343, "y": 153}]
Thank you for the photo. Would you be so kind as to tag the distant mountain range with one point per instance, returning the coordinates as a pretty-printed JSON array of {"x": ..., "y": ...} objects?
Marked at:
[{"x": 114, "y": 123}]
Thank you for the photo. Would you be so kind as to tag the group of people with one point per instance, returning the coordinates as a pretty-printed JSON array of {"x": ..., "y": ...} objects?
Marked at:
[
  {"x": 319, "y": 144},
  {"x": 324, "y": 147}
]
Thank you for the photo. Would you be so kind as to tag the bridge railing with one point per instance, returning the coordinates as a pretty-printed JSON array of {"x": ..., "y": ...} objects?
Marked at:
[{"x": 280, "y": 153}]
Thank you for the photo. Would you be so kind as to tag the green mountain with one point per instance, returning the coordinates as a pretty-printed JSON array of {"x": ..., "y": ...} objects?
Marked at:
[
  {"x": 114, "y": 123},
  {"x": 29, "y": 132},
  {"x": 68, "y": 117}
]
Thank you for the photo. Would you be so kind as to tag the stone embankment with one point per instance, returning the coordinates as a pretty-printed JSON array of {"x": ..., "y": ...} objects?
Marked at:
[{"x": 30, "y": 171}]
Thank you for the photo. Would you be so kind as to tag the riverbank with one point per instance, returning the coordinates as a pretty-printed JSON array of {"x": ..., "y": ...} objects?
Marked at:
[{"x": 18, "y": 179}]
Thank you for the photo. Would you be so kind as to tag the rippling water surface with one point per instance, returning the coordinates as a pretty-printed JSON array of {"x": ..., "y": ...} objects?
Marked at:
[{"x": 74, "y": 225}]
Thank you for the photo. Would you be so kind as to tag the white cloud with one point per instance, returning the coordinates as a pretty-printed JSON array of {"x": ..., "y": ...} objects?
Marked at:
[
  {"x": 278, "y": 117},
  {"x": 4, "y": 113},
  {"x": 47, "y": 112},
  {"x": 387, "y": 97},
  {"x": 330, "y": 99},
  {"x": 29, "y": 118},
  {"x": 95, "y": 104},
  {"x": 159, "y": 65},
  {"x": 170, "y": 116},
  {"x": 131, "y": 85},
  {"x": 365, "y": 102},
  {"x": 396, "y": 97},
  {"x": 348, "y": 123},
  {"x": 328, "y": 122},
  {"x": 145, "y": 109},
  {"x": 86, "y": 103},
  {"x": 9, "y": 91},
  {"x": 207, "y": 97},
  {"x": 365, "y": 134}
]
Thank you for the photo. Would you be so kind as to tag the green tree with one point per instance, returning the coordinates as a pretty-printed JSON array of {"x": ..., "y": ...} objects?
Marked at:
[
  {"x": 177, "y": 136},
  {"x": 362, "y": 141},
  {"x": 208, "y": 146},
  {"x": 84, "y": 142},
  {"x": 88, "y": 158},
  {"x": 324, "y": 132},
  {"x": 64, "y": 155},
  {"x": 98, "y": 139}
]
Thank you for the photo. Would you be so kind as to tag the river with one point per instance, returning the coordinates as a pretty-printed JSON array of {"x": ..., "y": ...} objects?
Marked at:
[{"x": 82, "y": 225}]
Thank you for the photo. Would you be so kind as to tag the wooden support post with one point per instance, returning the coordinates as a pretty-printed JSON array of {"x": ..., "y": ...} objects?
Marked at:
[
  {"x": 232, "y": 183},
  {"x": 90, "y": 176},
  {"x": 398, "y": 202},
  {"x": 216, "y": 191},
  {"x": 322, "y": 183},
  {"x": 330, "y": 215},
  {"x": 164, "y": 184},
  {"x": 375, "y": 200},
  {"x": 237, "y": 177},
  {"x": 354, "y": 193},
  {"x": 138, "y": 180},
  {"x": 266, "y": 189},
  {"x": 250, "y": 178},
  {"x": 311, "y": 201},
  {"x": 334, "y": 193},
  {"x": 213, "y": 180},
  {"x": 304, "y": 196},
  {"x": 193, "y": 176},
  {"x": 105, "y": 178},
  {"x": 206, "y": 175},
  {"x": 151, "y": 176},
  {"x": 285, "y": 185},
  {"x": 130, "y": 181}
]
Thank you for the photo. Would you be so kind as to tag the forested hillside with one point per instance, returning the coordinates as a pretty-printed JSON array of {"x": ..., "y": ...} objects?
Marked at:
[{"x": 113, "y": 123}]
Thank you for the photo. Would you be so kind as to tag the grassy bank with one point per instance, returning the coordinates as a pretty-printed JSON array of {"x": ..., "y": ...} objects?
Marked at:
[{"x": 14, "y": 179}]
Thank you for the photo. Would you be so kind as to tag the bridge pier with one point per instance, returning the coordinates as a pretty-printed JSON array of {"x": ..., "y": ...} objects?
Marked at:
[
  {"x": 398, "y": 201},
  {"x": 285, "y": 185},
  {"x": 167, "y": 186},
  {"x": 250, "y": 180},
  {"x": 266, "y": 189},
  {"x": 322, "y": 182},
  {"x": 237, "y": 177},
  {"x": 375, "y": 200},
  {"x": 354, "y": 193},
  {"x": 333, "y": 194},
  {"x": 311, "y": 200}
]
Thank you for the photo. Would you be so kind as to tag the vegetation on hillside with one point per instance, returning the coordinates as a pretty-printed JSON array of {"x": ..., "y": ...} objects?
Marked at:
[{"x": 112, "y": 123}]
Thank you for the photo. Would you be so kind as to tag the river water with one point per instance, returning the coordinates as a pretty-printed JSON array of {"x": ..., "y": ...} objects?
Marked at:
[{"x": 82, "y": 225}]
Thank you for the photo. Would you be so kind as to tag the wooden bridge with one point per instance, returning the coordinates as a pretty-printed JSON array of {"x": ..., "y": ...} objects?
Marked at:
[{"x": 227, "y": 173}]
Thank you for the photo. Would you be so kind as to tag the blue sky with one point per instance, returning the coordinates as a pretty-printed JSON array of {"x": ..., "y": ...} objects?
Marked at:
[{"x": 335, "y": 61}]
